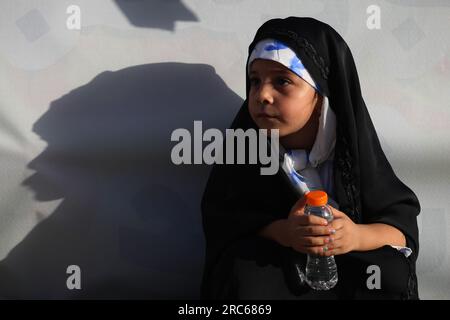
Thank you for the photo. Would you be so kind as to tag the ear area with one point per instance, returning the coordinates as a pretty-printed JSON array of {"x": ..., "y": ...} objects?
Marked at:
[{"x": 319, "y": 102}]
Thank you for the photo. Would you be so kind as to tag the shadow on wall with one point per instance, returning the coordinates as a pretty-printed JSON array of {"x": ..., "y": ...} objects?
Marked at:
[
  {"x": 129, "y": 218},
  {"x": 155, "y": 13}
]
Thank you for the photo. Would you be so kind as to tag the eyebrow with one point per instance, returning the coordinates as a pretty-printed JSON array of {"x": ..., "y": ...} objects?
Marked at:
[{"x": 277, "y": 70}]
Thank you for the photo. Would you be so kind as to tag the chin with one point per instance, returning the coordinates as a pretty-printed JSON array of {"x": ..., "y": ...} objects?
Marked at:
[
  {"x": 266, "y": 126},
  {"x": 281, "y": 132}
]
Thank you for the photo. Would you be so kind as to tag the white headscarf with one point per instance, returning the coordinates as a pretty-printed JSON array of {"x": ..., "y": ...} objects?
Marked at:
[{"x": 270, "y": 49}]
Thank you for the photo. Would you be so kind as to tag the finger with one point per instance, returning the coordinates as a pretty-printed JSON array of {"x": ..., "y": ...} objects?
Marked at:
[
  {"x": 333, "y": 252},
  {"x": 337, "y": 236},
  {"x": 330, "y": 252},
  {"x": 303, "y": 231},
  {"x": 337, "y": 224},
  {"x": 317, "y": 250},
  {"x": 327, "y": 250},
  {"x": 309, "y": 220},
  {"x": 337, "y": 246},
  {"x": 334, "y": 244},
  {"x": 313, "y": 241},
  {"x": 335, "y": 241},
  {"x": 298, "y": 212},
  {"x": 336, "y": 213}
]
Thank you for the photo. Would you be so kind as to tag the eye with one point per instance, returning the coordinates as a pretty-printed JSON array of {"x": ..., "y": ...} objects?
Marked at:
[
  {"x": 283, "y": 81},
  {"x": 254, "y": 81}
]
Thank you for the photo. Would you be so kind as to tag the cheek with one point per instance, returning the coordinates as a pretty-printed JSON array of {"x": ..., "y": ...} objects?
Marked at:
[
  {"x": 295, "y": 114},
  {"x": 252, "y": 108},
  {"x": 298, "y": 109}
]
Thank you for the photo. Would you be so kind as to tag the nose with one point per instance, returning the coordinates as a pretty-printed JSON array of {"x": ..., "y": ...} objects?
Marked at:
[{"x": 265, "y": 94}]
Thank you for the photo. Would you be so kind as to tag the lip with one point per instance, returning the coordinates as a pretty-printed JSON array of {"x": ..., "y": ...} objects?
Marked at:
[{"x": 265, "y": 115}]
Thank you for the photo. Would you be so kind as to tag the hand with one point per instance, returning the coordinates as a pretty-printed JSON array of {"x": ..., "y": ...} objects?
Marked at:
[
  {"x": 305, "y": 233},
  {"x": 346, "y": 236},
  {"x": 313, "y": 235}
]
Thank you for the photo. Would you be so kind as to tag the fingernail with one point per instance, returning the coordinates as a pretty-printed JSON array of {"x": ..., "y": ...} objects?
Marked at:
[
  {"x": 330, "y": 240},
  {"x": 325, "y": 223},
  {"x": 332, "y": 231},
  {"x": 324, "y": 249}
]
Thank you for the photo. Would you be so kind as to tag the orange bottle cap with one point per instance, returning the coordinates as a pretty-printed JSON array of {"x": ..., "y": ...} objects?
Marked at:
[{"x": 316, "y": 198}]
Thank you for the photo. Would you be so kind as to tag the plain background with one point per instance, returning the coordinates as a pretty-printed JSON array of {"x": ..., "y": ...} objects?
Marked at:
[{"x": 86, "y": 118}]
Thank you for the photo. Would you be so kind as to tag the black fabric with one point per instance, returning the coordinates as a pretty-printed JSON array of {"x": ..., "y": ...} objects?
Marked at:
[
  {"x": 262, "y": 269},
  {"x": 238, "y": 201}
]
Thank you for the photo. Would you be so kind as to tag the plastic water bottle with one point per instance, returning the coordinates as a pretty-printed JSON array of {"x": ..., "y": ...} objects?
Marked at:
[{"x": 321, "y": 272}]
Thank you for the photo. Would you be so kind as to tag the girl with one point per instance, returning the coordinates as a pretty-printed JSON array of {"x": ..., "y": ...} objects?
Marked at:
[{"x": 302, "y": 80}]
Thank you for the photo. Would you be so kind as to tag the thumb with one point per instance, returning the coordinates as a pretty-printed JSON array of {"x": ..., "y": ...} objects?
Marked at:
[
  {"x": 299, "y": 207},
  {"x": 336, "y": 213}
]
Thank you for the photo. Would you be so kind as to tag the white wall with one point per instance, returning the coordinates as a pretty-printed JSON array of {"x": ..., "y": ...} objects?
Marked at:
[{"x": 86, "y": 117}]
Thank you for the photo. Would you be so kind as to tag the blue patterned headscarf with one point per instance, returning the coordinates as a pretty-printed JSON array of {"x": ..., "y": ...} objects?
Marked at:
[{"x": 275, "y": 50}]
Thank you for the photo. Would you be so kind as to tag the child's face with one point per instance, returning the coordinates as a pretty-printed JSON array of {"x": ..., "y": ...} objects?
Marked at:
[{"x": 280, "y": 99}]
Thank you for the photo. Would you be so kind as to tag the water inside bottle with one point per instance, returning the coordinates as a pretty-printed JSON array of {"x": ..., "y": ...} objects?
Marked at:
[{"x": 321, "y": 272}]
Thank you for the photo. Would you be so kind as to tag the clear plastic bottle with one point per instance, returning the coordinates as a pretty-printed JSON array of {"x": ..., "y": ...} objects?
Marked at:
[{"x": 321, "y": 272}]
